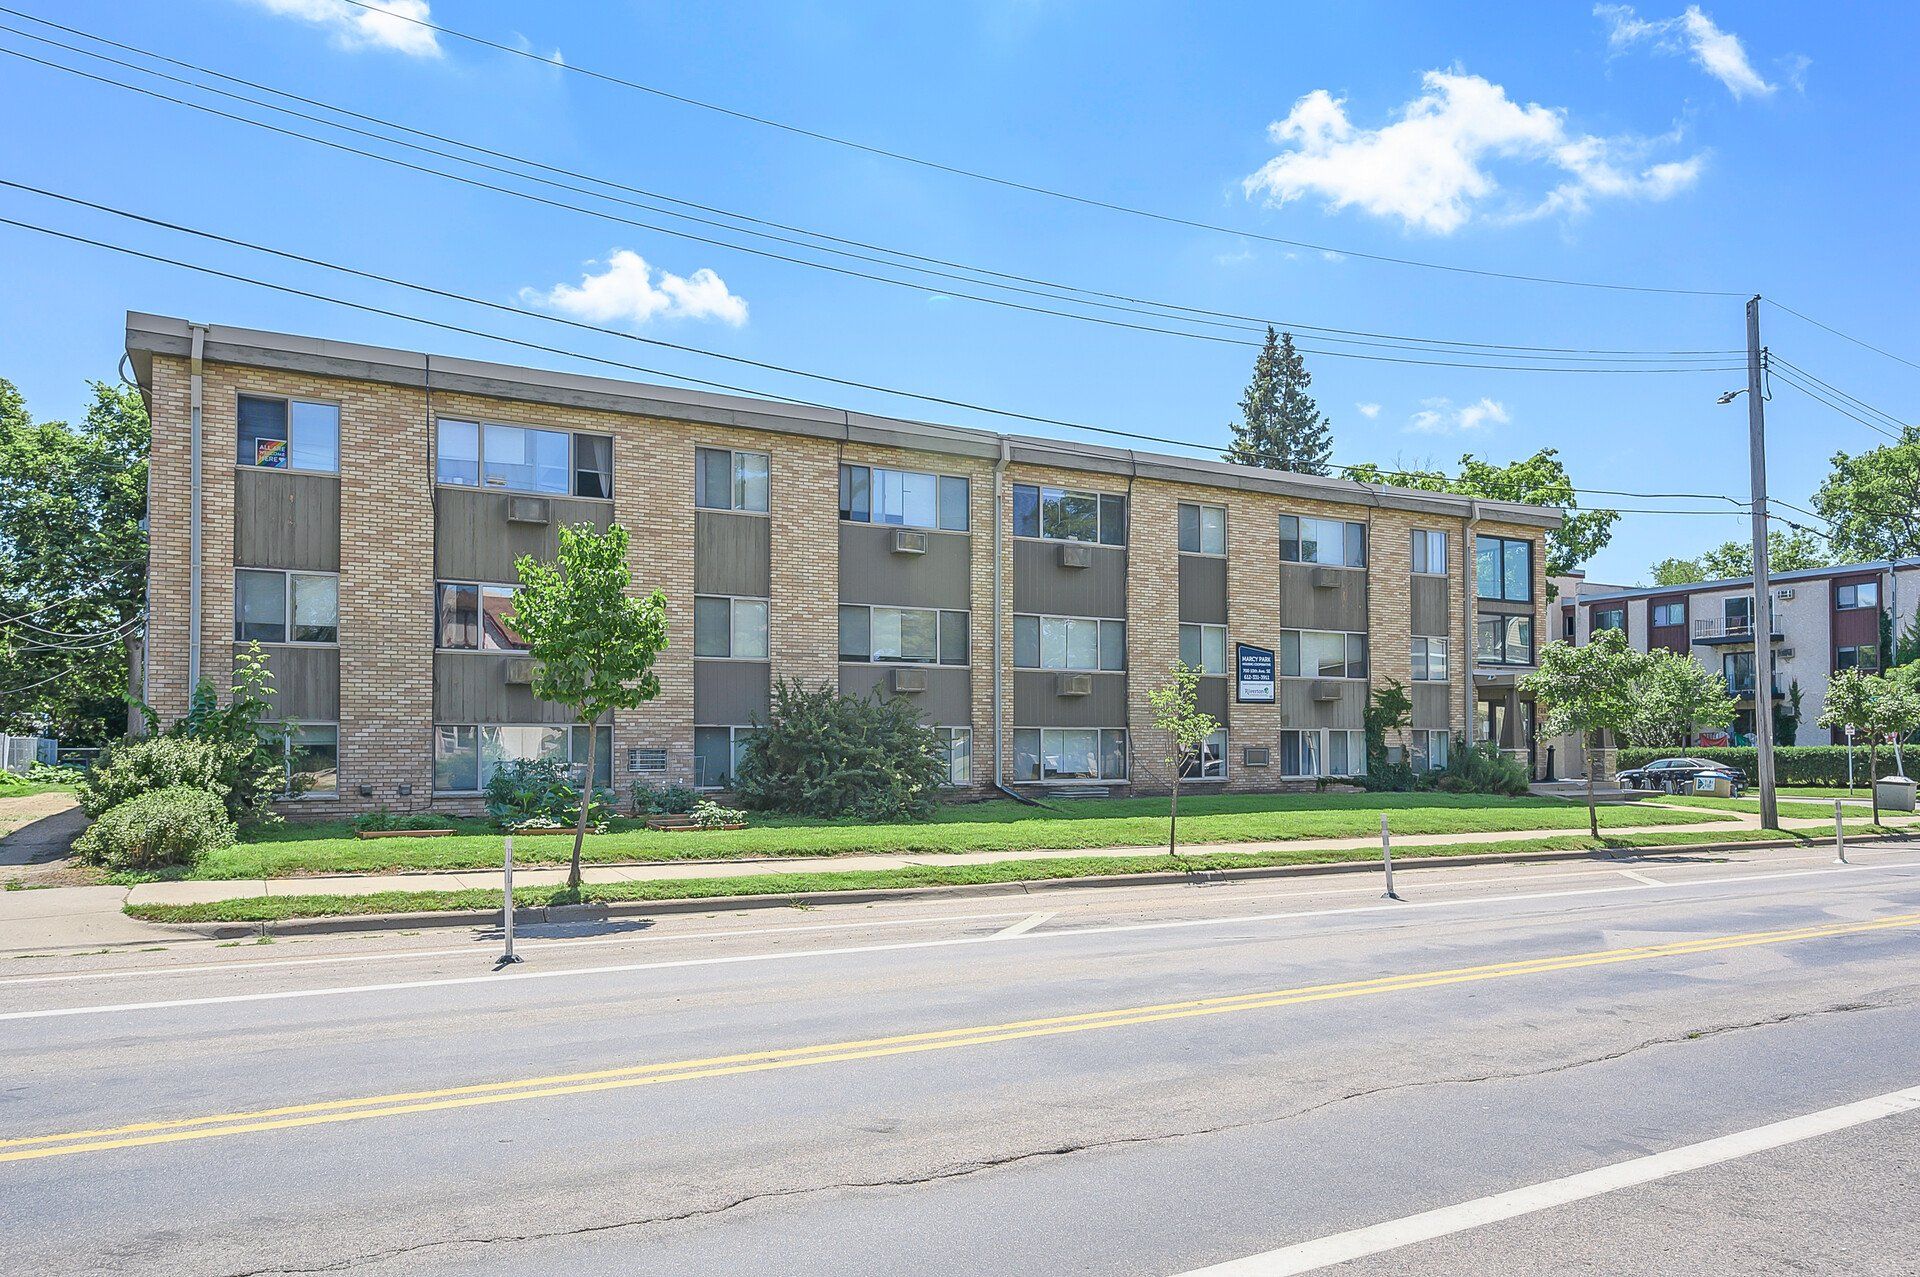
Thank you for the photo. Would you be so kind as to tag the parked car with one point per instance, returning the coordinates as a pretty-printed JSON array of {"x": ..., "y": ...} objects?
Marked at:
[{"x": 1676, "y": 775}]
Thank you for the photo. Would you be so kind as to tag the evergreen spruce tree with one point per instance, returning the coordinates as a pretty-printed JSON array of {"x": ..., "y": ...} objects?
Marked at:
[{"x": 1281, "y": 427}]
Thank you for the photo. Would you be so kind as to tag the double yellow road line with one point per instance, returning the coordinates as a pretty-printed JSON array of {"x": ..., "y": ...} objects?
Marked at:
[{"x": 288, "y": 1117}]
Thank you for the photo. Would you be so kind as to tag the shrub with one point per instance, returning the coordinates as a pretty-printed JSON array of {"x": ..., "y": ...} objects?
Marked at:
[
  {"x": 162, "y": 827},
  {"x": 1480, "y": 768},
  {"x": 540, "y": 791},
  {"x": 381, "y": 819},
  {"x": 829, "y": 755},
  {"x": 1793, "y": 765},
  {"x": 247, "y": 746},
  {"x": 663, "y": 800},
  {"x": 711, "y": 815},
  {"x": 127, "y": 769}
]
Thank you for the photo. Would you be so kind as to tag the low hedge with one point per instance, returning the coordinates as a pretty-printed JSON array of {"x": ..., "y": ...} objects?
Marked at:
[
  {"x": 1793, "y": 764},
  {"x": 155, "y": 830}
]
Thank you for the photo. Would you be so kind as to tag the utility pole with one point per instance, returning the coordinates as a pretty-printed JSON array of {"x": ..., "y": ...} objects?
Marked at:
[{"x": 1762, "y": 589}]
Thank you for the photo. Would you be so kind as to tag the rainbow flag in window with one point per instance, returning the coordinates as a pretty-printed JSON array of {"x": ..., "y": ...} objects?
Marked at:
[{"x": 271, "y": 453}]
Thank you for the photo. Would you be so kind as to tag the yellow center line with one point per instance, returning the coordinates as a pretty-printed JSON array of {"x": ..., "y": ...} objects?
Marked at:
[{"x": 168, "y": 1131}]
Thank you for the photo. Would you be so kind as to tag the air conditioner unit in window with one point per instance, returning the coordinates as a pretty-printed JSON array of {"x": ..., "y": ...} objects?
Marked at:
[
  {"x": 1324, "y": 689},
  {"x": 1075, "y": 556},
  {"x": 1256, "y": 756},
  {"x": 520, "y": 671},
  {"x": 1326, "y": 579},
  {"x": 1074, "y": 685},
  {"x": 529, "y": 510},
  {"x": 909, "y": 681},
  {"x": 1785, "y": 653},
  {"x": 905, "y": 542}
]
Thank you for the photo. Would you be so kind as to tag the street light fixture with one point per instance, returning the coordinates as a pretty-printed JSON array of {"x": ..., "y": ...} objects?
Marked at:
[{"x": 1731, "y": 395}]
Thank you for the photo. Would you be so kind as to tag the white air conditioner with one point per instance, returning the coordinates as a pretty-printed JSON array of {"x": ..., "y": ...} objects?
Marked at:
[
  {"x": 906, "y": 542},
  {"x": 1075, "y": 556},
  {"x": 520, "y": 671},
  {"x": 529, "y": 510},
  {"x": 1326, "y": 579},
  {"x": 1074, "y": 685},
  {"x": 909, "y": 680},
  {"x": 1324, "y": 689}
]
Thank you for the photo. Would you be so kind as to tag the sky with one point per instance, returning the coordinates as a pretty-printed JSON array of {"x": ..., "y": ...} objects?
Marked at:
[{"x": 1728, "y": 149}]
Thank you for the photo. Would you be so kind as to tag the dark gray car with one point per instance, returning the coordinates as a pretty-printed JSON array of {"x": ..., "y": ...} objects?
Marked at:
[{"x": 1676, "y": 775}]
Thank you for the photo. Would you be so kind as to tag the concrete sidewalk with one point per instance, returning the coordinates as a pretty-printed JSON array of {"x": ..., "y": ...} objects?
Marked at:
[{"x": 202, "y": 892}]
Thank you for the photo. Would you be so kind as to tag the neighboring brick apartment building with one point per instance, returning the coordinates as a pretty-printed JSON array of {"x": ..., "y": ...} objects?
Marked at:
[
  {"x": 1824, "y": 620},
  {"x": 360, "y": 510}
]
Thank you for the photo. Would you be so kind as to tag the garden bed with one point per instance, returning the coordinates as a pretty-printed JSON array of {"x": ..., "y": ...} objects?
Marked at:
[
  {"x": 674, "y": 823},
  {"x": 403, "y": 833}
]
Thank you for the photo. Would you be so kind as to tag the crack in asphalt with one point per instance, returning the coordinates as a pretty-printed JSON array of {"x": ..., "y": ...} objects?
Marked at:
[{"x": 965, "y": 1169}]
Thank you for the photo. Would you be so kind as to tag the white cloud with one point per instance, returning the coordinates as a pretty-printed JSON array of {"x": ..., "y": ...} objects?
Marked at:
[
  {"x": 1719, "y": 53},
  {"x": 1432, "y": 167},
  {"x": 630, "y": 291},
  {"x": 383, "y": 25},
  {"x": 1439, "y": 416},
  {"x": 1368, "y": 410}
]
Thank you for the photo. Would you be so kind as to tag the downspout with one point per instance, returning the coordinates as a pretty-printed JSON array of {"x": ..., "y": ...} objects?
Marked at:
[
  {"x": 196, "y": 383},
  {"x": 1469, "y": 555},
  {"x": 999, "y": 714}
]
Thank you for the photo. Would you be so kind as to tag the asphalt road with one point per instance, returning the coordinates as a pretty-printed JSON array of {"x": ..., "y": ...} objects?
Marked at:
[{"x": 1125, "y": 1081}]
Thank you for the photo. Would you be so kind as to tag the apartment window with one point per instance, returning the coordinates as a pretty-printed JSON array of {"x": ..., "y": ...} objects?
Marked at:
[
  {"x": 1317, "y": 752},
  {"x": 717, "y": 754},
  {"x": 1203, "y": 529},
  {"x": 1059, "y": 515},
  {"x": 1567, "y": 624},
  {"x": 523, "y": 459},
  {"x": 1737, "y": 669},
  {"x": 285, "y": 607},
  {"x": 956, "y": 746},
  {"x": 907, "y": 498},
  {"x": 1069, "y": 643},
  {"x": 1069, "y": 753},
  {"x": 1737, "y": 613},
  {"x": 1209, "y": 762},
  {"x": 1864, "y": 657},
  {"x": 471, "y": 617},
  {"x": 289, "y": 434},
  {"x": 1613, "y": 618},
  {"x": 1503, "y": 568},
  {"x": 728, "y": 479},
  {"x": 1849, "y": 597},
  {"x": 466, "y": 755},
  {"x": 1429, "y": 552},
  {"x": 1325, "y": 541},
  {"x": 1668, "y": 614},
  {"x": 1504, "y": 640},
  {"x": 1429, "y": 660},
  {"x": 1204, "y": 647},
  {"x": 1322, "y": 654},
  {"x": 918, "y": 635},
  {"x": 1429, "y": 749},
  {"x": 310, "y": 759},
  {"x": 593, "y": 466},
  {"x": 730, "y": 628}
]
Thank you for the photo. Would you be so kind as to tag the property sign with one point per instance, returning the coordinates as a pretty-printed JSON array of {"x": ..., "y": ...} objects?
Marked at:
[{"x": 1253, "y": 667}]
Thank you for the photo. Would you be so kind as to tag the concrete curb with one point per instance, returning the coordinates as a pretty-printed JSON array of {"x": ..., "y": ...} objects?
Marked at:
[{"x": 347, "y": 924}]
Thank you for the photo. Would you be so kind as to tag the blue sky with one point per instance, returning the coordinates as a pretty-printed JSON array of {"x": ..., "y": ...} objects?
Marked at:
[{"x": 1741, "y": 148}]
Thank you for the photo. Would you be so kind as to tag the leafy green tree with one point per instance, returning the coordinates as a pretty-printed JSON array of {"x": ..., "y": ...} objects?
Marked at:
[
  {"x": 1676, "y": 571},
  {"x": 1786, "y": 552},
  {"x": 1587, "y": 691},
  {"x": 1537, "y": 480},
  {"x": 1872, "y": 500},
  {"x": 592, "y": 644},
  {"x": 1175, "y": 706},
  {"x": 1280, "y": 425},
  {"x": 72, "y": 560},
  {"x": 1873, "y": 706},
  {"x": 1673, "y": 697},
  {"x": 830, "y": 755}
]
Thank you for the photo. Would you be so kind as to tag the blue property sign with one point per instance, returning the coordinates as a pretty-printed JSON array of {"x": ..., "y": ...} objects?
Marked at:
[{"x": 1253, "y": 667}]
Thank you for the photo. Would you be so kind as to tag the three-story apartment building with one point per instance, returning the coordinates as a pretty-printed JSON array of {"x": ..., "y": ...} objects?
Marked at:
[{"x": 357, "y": 512}]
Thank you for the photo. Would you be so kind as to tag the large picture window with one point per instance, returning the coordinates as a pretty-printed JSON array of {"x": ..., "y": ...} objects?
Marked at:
[
  {"x": 289, "y": 434},
  {"x": 905, "y": 498},
  {"x": 1069, "y": 643},
  {"x": 472, "y": 454},
  {"x": 1060, "y": 515},
  {"x": 717, "y": 752},
  {"x": 1504, "y": 640},
  {"x": 1069, "y": 753},
  {"x": 285, "y": 607},
  {"x": 1849, "y": 597},
  {"x": 472, "y": 617},
  {"x": 466, "y": 755},
  {"x": 729, "y": 479},
  {"x": 1503, "y": 569},
  {"x": 1429, "y": 749},
  {"x": 909, "y": 634},
  {"x": 1322, "y": 654},
  {"x": 730, "y": 628},
  {"x": 1330, "y": 542},
  {"x": 1209, "y": 762},
  {"x": 1315, "y": 752},
  {"x": 310, "y": 759}
]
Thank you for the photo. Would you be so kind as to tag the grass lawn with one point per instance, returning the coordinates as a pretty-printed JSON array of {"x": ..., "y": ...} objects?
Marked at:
[
  {"x": 1824, "y": 791},
  {"x": 11, "y": 787},
  {"x": 1788, "y": 807},
  {"x": 1001, "y": 825},
  {"x": 274, "y": 908}
]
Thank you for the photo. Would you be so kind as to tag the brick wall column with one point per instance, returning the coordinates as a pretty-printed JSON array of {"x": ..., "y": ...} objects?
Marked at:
[{"x": 1153, "y": 627}]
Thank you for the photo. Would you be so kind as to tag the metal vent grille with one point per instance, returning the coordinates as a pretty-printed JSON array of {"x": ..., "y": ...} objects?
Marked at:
[{"x": 646, "y": 760}]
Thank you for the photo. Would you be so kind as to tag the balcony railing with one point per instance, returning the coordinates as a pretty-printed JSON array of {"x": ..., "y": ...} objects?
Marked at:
[
  {"x": 1744, "y": 690},
  {"x": 1709, "y": 629}
]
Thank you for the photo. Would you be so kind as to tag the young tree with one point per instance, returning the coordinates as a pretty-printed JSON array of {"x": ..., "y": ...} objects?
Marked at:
[
  {"x": 1673, "y": 697},
  {"x": 1587, "y": 691},
  {"x": 1874, "y": 707},
  {"x": 1280, "y": 425},
  {"x": 592, "y": 645},
  {"x": 1176, "y": 711},
  {"x": 1872, "y": 500}
]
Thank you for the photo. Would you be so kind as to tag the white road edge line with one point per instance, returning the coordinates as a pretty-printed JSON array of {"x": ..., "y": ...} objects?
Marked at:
[
  {"x": 1340, "y": 1248},
  {"x": 1025, "y": 925},
  {"x": 515, "y": 975}
]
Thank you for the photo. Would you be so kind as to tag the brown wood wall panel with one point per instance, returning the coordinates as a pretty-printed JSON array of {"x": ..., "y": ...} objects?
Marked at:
[
  {"x": 285, "y": 520},
  {"x": 306, "y": 683},
  {"x": 732, "y": 554},
  {"x": 1305, "y": 606},
  {"x": 473, "y": 541},
  {"x": 1041, "y": 585},
  {"x": 1203, "y": 590},
  {"x": 731, "y": 693},
  {"x": 1037, "y": 704},
  {"x": 472, "y": 687},
  {"x": 870, "y": 572},
  {"x": 947, "y": 702},
  {"x": 1432, "y": 607},
  {"x": 1299, "y": 709},
  {"x": 1433, "y": 704}
]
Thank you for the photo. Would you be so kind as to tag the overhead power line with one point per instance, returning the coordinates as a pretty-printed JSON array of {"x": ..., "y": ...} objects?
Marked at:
[
  {"x": 1673, "y": 363},
  {"x": 1864, "y": 345},
  {"x": 1051, "y": 289},
  {"x": 1821, "y": 397},
  {"x": 1851, "y": 399},
  {"x": 1012, "y": 183}
]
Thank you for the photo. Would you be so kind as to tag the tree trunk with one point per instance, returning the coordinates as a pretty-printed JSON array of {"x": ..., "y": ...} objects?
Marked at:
[
  {"x": 586, "y": 803},
  {"x": 1593, "y": 814},
  {"x": 1173, "y": 811}
]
